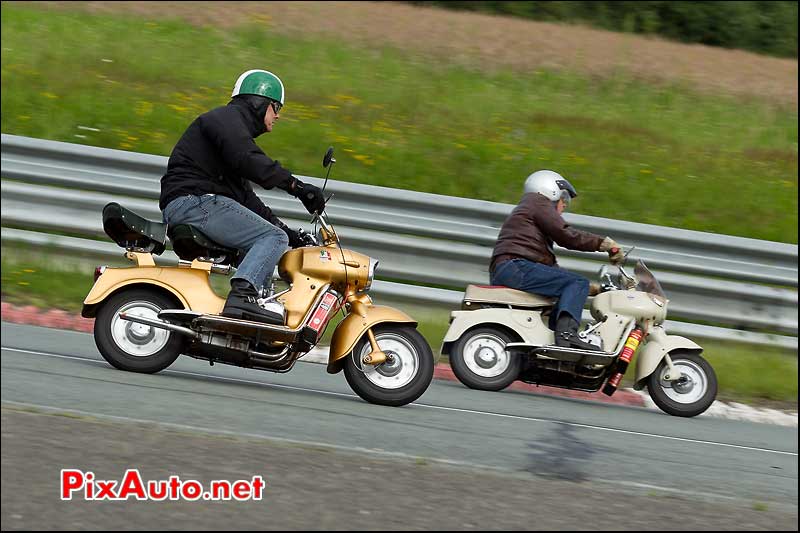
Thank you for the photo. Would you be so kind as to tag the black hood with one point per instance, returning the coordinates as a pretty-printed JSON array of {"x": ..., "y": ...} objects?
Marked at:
[{"x": 254, "y": 107}]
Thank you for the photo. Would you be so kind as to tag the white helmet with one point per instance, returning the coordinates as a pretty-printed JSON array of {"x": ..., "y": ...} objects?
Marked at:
[{"x": 551, "y": 185}]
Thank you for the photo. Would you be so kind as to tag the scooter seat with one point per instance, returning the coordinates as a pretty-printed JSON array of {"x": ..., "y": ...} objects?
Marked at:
[
  {"x": 130, "y": 230},
  {"x": 189, "y": 243},
  {"x": 503, "y": 295}
]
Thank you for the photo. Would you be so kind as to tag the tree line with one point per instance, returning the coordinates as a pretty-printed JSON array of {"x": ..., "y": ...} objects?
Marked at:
[{"x": 766, "y": 27}]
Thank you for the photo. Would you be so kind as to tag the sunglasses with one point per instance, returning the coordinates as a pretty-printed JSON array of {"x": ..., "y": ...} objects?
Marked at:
[{"x": 276, "y": 106}]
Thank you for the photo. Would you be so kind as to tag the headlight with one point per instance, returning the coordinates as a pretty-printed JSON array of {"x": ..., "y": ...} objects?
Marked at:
[
  {"x": 373, "y": 264},
  {"x": 658, "y": 300}
]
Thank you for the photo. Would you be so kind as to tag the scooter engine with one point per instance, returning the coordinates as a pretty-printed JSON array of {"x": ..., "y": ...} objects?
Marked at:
[{"x": 221, "y": 347}]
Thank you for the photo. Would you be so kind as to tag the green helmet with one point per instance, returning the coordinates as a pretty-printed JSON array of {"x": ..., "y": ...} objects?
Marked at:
[{"x": 259, "y": 82}]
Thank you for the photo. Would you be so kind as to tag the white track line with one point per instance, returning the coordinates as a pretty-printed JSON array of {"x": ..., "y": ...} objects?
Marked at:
[{"x": 428, "y": 406}]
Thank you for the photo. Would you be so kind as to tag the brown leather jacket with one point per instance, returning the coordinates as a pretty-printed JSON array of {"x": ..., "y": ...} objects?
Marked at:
[{"x": 533, "y": 226}]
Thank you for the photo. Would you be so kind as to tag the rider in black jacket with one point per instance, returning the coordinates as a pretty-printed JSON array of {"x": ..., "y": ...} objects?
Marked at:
[{"x": 207, "y": 184}]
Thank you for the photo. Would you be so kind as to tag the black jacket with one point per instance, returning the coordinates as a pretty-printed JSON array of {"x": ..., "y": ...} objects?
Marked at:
[{"x": 217, "y": 155}]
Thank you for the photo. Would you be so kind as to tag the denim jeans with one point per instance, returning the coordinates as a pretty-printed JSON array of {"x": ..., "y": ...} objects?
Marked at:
[
  {"x": 554, "y": 282},
  {"x": 231, "y": 224}
]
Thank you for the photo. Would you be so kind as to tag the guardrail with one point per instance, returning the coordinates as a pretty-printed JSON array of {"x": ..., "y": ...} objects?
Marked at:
[{"x": 736, "y": 284}]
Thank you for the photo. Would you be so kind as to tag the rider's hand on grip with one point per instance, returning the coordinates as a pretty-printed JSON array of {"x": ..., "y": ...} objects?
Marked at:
[
  {"x": 310, "y": 195},
  {"x": 615, "y": 253},
  {"x": 300, "y": 238},
  {"x": 295, "y": 239},
  {"x": 616, "y": 256}
]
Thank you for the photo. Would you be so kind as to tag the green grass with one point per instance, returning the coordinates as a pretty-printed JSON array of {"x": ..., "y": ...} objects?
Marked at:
[
  {"x": 27, "y": 280},
  {"x": 648, "y": 153},
  {"x": 750, "y": 374}
]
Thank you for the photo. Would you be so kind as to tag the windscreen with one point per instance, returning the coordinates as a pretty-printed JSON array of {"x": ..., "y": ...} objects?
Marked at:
[{"x": 647, "y": 282}]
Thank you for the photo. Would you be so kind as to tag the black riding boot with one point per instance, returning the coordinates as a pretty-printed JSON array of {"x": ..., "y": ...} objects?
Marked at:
[
  {"x": 567, "y": 334},
  {"x": 242, "y": 303}
]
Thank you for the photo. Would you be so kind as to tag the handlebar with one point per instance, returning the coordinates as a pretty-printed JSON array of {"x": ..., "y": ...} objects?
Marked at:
[{"x": 327, "y": 231}]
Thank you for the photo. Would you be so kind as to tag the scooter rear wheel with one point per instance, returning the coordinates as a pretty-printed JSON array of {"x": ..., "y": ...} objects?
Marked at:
[
  {"x": 480, "y": 361},
  {"x": 131, "y": 346}
]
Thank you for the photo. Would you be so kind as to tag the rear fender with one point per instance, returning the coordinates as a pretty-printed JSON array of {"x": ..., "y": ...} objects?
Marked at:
[
  {"x": 527, "y": 324},
  {"x": 658, "y": 345},
  {"x": 189, "y": 286}
]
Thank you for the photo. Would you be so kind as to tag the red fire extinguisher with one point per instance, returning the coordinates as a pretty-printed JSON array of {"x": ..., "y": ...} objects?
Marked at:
[{"x": 624, "y": 360}]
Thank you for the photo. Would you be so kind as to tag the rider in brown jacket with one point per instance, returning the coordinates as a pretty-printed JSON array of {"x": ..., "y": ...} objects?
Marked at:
[{"x": 523, "y": 256}]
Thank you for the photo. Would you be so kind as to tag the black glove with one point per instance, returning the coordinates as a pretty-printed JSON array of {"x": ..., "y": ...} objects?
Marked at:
[
  {"x": 295, "y": 241},
  {"x": 298, "y": 239},
  {"x": 310, "y": 195}
]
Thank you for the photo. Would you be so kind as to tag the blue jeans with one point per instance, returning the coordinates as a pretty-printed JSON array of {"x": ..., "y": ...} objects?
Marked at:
[
  {"x": 554, "y": 282},
  {"x": 231, "y": 224}
]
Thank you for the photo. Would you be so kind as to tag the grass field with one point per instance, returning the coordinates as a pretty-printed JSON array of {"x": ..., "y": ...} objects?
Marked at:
[
  {"x": 660, "y": 154},
  {"x": 749, "y": 374}
]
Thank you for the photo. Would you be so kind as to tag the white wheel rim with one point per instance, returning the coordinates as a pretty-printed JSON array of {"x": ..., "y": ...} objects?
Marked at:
[
  {"x": 136, "y": 339},
  {"x": 485, "y": 355},
  {"x": 401, "y": 366},
  {"x": 690, "y": 387}
]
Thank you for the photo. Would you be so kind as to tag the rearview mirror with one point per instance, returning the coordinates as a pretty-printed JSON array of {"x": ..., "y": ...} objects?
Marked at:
[{"x": 328, "y": 159}]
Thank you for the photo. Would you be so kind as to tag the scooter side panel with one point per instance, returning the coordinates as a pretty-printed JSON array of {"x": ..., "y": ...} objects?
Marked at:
[
  {"x": 190, "y": 286},
  {"x": 354, "y": 326},
  {"x": 658, "y": 345},
  {"x": 526, "y": 323}
]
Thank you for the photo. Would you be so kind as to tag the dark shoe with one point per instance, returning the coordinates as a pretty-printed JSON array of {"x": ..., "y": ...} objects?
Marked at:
[
  {"x": 567, "y": 334},
  {"x": 242, "y": 303}
]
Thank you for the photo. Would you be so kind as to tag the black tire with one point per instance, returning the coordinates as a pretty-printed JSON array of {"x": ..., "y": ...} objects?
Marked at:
[
  {"x": 412, "y": 355},
  {"x": 119, "y": 340},
  {"x": 470, "y": 369},
  {"x": 684, "y": 399}
]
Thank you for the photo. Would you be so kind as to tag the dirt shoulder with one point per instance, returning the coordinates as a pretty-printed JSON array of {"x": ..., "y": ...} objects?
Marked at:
[{"x": 491, "y": 42}]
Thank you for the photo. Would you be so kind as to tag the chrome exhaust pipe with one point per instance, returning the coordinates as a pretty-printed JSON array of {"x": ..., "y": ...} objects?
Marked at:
[{"x": 159, "y": 324}]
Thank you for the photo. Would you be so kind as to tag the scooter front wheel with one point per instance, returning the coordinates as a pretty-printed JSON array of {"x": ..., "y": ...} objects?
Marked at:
[
  {"x": 402, "y": 378},
  {"x": 132, "y": 346},
  {"x": 480, "y": 361},
  {"x": 689, "y": 395}
]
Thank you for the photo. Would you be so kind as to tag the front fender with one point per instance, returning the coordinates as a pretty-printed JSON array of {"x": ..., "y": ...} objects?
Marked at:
[
  {"x": 658, "y": 345},
  {"x": 355, "y": 325}
]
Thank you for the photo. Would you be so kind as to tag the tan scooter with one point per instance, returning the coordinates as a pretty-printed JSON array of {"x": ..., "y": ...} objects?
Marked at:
[
  {"x": 147, "y": 315},
  {"x": 500, "y": 335}
]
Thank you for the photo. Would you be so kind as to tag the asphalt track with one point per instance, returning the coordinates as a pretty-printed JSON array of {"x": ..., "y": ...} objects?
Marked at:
[{"x": 455, "y": 459}]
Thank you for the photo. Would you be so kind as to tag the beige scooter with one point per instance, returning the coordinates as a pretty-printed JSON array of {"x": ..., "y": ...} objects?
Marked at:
[
  {"x": 500, "y": 335},
  {"x": 147, "y": 315}
]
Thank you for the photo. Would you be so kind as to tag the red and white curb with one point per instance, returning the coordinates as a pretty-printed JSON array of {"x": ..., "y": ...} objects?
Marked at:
[
  {"x": 57, "y": 318},
  {"x": 737, "y": 411}
]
